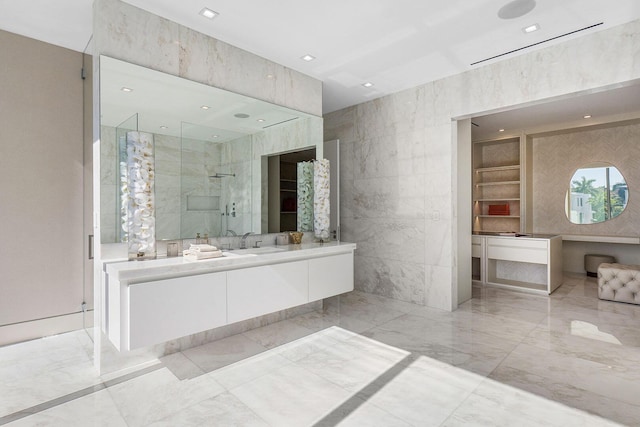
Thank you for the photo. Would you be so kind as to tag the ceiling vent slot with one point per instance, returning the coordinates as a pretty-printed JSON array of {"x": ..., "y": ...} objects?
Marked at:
[{"x": 536, "y": 44}]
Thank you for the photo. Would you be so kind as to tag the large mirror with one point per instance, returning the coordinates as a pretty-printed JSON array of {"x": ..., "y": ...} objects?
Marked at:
[
  {"x": 211, "y": 151},
  {"x": 597, "y": 192}
]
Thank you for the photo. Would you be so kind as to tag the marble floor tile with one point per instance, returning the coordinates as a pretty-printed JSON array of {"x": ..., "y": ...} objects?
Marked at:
[
  {"x": 226, "y": 351},
  {"x": 159, "y": 394},
  {"x": 496, "y": 404},
  {"x": 356, "y": 297},
  {"x": 317, "y": 321},
  {"x": 359, "y": 412},
  {"x": 291, "y": 396},
  {"x": 279, "y": 333},
  {"x": 242, "y": 372},
  {"x": 351, "y": 365},
  {"x": 621, "y": 384},
  {"x": 590, "y": 344},
  {"x": 181, "y": 366},
  {"x": 502, "y": 359},
  {"x": 37, "y": 371},
  {"x": 425, "y": 393},
  {"x": 569, "y": 395},
  {"x": 447, "y": 334},
  {"x": 94, "y": 409},
  {"x": 222, "y": 410}
]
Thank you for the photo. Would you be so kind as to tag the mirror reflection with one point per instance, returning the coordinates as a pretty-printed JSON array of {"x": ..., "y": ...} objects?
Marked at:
[
  {"x": 211, "y": 150},
  {"x": 597, "y": 193}
]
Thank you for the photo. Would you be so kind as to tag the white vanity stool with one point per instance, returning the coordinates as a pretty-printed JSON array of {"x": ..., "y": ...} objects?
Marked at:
[{"x": 619, "y": 282}]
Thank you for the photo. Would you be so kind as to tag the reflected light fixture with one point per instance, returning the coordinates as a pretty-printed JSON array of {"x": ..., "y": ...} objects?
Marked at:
[
  {"x": 531, "y": 28},
  {"x": 208, "y": 13},
  {"x": 164, "y": 127},
  {"x": 126, "y": 89},
  {"x": 587, "y": 116},
  {"x": 260, "y": 120},
  {"x": 367, "y": 84},
  {"x": 205, "y": 107},
  {"x": 500, "y": 130},
  {"x": 308, "y": 57}
]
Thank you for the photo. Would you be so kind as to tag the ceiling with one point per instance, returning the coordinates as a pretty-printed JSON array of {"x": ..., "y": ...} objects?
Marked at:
[{"x": 393, "y": 44}]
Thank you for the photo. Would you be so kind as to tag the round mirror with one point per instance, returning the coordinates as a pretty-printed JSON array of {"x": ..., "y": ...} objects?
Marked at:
[{"x": 597, "y": 193}]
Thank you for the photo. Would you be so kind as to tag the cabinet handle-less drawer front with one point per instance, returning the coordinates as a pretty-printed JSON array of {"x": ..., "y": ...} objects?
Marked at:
[
  {"x": 516, "y": 242},
  {"x": 476, "y": 250},
  {"x": 518, "y": 254}
]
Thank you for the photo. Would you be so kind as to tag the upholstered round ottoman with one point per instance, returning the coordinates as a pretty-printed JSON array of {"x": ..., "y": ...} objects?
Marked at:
[
  {"x": 619, "y": 282},
  {"x": 592, "y": 261}
]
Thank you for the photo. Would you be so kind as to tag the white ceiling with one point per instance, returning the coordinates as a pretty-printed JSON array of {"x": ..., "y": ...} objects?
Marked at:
[{"x": 394, "y": 44}]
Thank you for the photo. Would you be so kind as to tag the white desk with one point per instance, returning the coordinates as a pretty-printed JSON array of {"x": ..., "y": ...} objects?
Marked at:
[{"x": 529, "y": 263}]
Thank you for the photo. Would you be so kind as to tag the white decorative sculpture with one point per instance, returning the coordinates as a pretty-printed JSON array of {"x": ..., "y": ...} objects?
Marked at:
[
  {"x": 138, "y": 193},
  {"x": 321, "y": 206}
]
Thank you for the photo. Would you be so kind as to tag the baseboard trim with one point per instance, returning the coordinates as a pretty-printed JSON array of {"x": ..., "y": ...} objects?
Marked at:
[{"x": 25, "y": 331}]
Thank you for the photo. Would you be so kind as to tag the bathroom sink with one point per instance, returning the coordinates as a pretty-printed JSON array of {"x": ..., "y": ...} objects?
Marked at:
[{"x": 256, "y": 251}]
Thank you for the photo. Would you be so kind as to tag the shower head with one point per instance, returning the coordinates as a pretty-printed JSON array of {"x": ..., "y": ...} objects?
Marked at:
[{"x": 222, "y": 175}]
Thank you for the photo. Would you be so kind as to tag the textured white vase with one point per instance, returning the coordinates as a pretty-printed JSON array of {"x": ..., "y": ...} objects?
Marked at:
[
  {"x": 321, "y": 205},
  {"x": 140, "y": 196},
  {"x": 305, "y": 196}
]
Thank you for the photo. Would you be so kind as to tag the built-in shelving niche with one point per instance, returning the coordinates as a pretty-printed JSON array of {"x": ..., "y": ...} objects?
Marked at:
[{"x": 497, "y": 186}]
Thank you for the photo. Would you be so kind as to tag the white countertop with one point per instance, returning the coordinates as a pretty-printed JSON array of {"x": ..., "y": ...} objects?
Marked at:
[
  {"x": 160, "y": 268},
  {"x": 521, "y": 236}
]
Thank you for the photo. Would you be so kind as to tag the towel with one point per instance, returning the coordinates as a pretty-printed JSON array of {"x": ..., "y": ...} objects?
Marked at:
[
  {"x": 197, "y": 256},
  {"x": 202, "y": 248}
]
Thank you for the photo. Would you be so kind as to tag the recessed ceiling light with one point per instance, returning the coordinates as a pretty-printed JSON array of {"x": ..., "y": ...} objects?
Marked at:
[
  {"x": 164, "y": 127},
  {"x": 531, "y": 28},
  {"x": 270, "y": 76},
  {"x": 205, "y": 107},
  {"x": 208, "y": 13},
  {"x": 308, "y": 57},
  {"x": 367, "y": 84},
  {"x": 260, "y": 120},
  {"x": 588, "y": 116},
  {"x": 126, "y": 89},
  {"x": 500, "y": 130},
  {"x": 214, "y": 136}
]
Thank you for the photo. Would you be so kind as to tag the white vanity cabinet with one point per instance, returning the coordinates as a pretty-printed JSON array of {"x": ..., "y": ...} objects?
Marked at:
[
  {"x": 151, "y": 302},
  {"x": 255, "y": 291},
  {"x": 157, "y": 309},
  {"x": 529, "y": 263},
  {"x": 332, "y": 275}
]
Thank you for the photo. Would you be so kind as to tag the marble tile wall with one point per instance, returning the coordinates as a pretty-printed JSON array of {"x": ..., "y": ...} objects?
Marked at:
[
  {"x": 134, "y": 35},
  {"x": 398, "y": 159}
]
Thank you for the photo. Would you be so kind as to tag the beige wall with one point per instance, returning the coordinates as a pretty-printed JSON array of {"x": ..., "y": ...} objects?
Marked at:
[
  {"x": 41, "y": 173},
  {"x": 557, "y": 157}
]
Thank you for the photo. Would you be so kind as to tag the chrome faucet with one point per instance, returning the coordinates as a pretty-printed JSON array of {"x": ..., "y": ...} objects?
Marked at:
[{"x": 243, "y": 243}]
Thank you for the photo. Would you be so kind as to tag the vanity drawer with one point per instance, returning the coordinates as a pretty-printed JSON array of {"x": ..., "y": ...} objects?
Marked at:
[
  {"x": 158, "y": 310},
  {"x": 256, "y": 291},
  {"x": 329, "y": 276},
  {"x": 519, "y": 250},
  {"x": 476, "y": 247}
]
